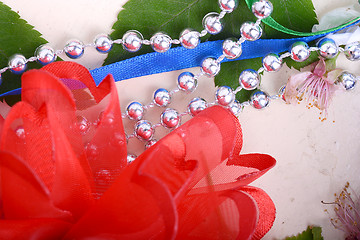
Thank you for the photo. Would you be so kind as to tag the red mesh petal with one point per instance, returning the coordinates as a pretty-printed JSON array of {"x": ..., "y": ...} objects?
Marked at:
[
  {"x": 106, "y": 151},
  {"x": 190, "y": 185},
  {"x": 74, "y": 71},
  {"x": 34, "y": 229},
  {"x": 71, "y": 190},
  {"x": 34, "y": 145},
  {"x": 22, "y": 193},
  {"x": 136, "y": 206},
  {"x": 106, "y": 145},
  {"x": 267, "y": 211}
]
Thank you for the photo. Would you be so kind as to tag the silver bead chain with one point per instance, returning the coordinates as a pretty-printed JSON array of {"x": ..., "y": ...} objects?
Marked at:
[
  {"x": 250, "y": 79},
  {"x": 187, "y": 82},
  {"x": 131, "y": 41}
]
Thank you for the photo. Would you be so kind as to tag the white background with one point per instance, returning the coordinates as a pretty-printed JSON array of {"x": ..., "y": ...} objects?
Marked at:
[{"x": 314, "y": 158}]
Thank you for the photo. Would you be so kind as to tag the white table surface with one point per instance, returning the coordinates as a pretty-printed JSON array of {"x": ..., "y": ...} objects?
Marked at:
[{"x": 314, "y": 158}]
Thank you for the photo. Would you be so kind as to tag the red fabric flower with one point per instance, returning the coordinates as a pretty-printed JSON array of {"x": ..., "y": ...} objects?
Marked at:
[{"x": 63, "y": 180}]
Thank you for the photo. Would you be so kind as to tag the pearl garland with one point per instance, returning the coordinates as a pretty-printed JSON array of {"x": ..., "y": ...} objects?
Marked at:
[{"x": 131, "y": 41}]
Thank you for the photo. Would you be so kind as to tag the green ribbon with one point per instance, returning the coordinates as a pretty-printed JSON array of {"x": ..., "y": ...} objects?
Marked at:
[{"x": 274, "y": 24}]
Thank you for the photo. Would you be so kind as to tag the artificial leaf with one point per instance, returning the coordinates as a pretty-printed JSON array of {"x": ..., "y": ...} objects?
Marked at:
[
  {"x": 311, "y": 233},
  {"x": 296, "y": 15},
  {"x": 151, "y": 16},
  {"x": 298, "y": 65},
  {"x": 229, "y": 75},
  {"x": 17, "y": 36}
]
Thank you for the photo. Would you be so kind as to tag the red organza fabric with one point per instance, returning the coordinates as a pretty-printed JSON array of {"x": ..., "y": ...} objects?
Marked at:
[{"x": 61, "y": 180}]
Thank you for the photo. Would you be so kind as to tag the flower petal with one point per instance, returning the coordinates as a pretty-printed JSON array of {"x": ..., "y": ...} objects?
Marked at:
[
  {"x": 141, "y": 202},
  {"x": 26, "y": 134},
  {"x": 34, "y": 229},
  {"x": 100, "y": 152},
  {"x": 320, "y": 68},
  {"x": 266, "y": 209},
  {"x": 106, "y": 149},
  {"x": 22, "y": 193},
  {"x": 228, "y": 214},
  {"x": 77, "y": 72},
  {"x": 136, "y": 206},
  {"x": 292, "y": 85},
  {"x": 333, "y": 75},
  {"x": 71, "y": 189}
]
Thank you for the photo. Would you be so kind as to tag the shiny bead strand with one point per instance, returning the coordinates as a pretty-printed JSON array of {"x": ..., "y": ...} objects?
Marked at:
[{"x": 131, "y": 41}]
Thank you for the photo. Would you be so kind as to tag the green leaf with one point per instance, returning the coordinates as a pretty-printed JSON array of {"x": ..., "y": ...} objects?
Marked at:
[
  {"x": 17, "y": 36},
  {"x": 151, "y": 16},
  {"x": 311, "y": 233},
  {"x": 296, "y": 15},
  {"x": 229, "y": 75}
]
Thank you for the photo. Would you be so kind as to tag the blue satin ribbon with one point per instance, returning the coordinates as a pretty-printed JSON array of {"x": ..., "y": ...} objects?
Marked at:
[{"x": 181, "y": 58}]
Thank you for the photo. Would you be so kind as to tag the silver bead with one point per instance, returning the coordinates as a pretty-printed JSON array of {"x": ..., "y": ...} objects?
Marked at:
[
  {"x": 228, "y": 5},
  {"x": 189, "y": 38},
  {"x": 144, "y": 130},
  {"x": 45, "y": 54},
  {"x": 347, "y": 80},
  {"x": 135, "y": 111},
  {"x": 20, "y": 132},
  {"x": 150, "y": 143},
  {"x": 170, "y": 118},
  {"x": 300, "y": 51},
  {"x": 132, "y": 40},
  {"x": 249, "y": 79},
  {"x": 74, "y": 49},
  {"x": 224, "y": 95},
  {"x": 352, "y": 51},
  {"x": 160, "y": 42},
  {"x": 187, "y": 82},
  {"x": 250, "y": 31},
  {"x": 272, "y": 62},
  {"x": 262, "y": 8},
  {"x": 130, "y": 158},
  {"x": 231, "y": 48},
  {"x": 328, "y": 48},
  {"x": 17, "y": 64},
  {"x": 212, "y": 23},
  {"x": 236, "y": 107},
  {"x": 83, "y": 125},
  {"x": 259, "y": 100},
  {"x": 210, "y": 67},
  {"x": 196, "y": 105},
  {"x": 162, "y": 97},
  {"x": 103, "y": 43}
]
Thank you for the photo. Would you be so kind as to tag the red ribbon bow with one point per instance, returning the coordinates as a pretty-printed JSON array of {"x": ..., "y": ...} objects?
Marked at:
[{"x": 58, "y": 182}]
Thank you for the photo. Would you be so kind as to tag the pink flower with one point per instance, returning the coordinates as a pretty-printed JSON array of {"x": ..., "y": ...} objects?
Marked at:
[
  {"x": 316, "y": 86},
  {"x": 347, "y": 210}
]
